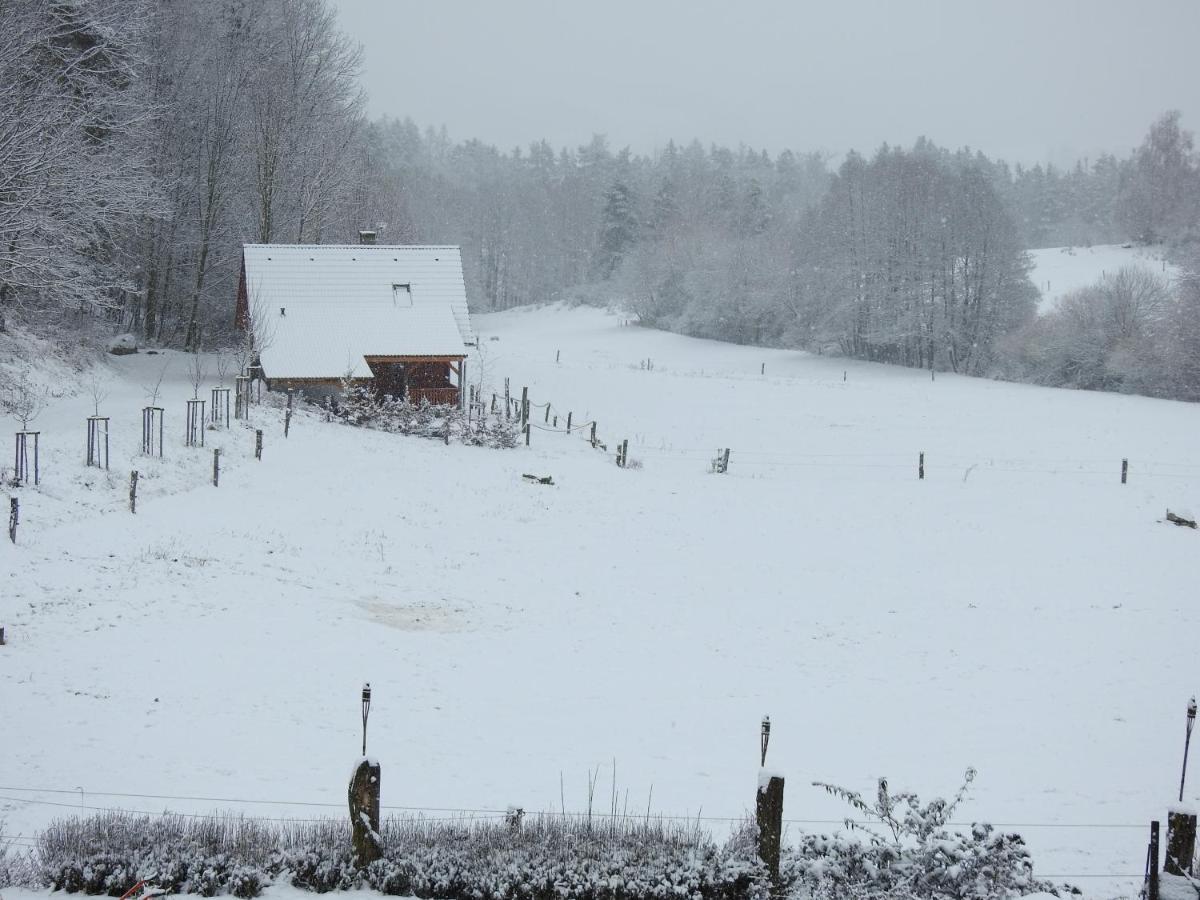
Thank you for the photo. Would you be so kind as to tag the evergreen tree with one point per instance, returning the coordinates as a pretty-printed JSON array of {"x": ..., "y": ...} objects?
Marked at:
[{"x": 618, "y": 228}]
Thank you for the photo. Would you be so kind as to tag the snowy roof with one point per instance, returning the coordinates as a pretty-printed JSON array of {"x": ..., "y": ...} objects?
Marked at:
[{"x": 322, "y": 308}]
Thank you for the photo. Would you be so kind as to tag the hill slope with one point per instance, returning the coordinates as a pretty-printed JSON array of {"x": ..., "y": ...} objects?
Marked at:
[{"x": 1019, "y": 610}]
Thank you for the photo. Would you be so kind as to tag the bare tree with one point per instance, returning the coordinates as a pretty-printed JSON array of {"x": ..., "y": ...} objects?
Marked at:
[
  {"x": 99, "y": 393},
  {"x": 24, "y": 399},
  {"x": 152, "y": 392},
  {"x": 197, "y": 370}
]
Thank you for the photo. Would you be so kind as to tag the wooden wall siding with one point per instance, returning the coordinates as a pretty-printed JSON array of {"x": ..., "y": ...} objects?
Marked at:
[{"x": 440, "y": 396}]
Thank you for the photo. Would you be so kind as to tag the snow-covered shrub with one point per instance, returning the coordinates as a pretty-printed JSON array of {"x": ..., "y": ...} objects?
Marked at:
[
  {"x": 547, "y": 858},
  {"x": 14, "y": 865},
  {"x": 363, "y": 407},
  {"x": 908, "y": 848}
]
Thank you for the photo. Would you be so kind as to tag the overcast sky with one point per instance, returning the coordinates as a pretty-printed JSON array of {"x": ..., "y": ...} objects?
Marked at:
[{"x": 1050, "y": 80}]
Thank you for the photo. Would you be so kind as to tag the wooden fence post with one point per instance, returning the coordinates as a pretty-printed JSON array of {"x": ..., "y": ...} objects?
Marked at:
[
  {"x": 287, "y": 422},
  {"x": 216, "y": 466},
  {"x": 524, "y": 406},
  {"x": 769, "y": 812},
  {"x": 569, "y": 416},
  {"x": 364, "y": 811},
  {"x": 14, "y": 514},
  {"x": 526, "y": 434},
  {"x": 133, "y": 480},
  {"x": 258, "y": 443},
  {"x": 1152, "y": 864},
  {"x": 1124, "y": 470},
  {"x": 593, "y": 434},
  {"x": 921, "y": 466},
  {"x": 1181, "y": 843}
]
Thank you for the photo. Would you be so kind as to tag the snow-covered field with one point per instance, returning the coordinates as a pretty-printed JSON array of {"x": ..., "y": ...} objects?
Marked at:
[
  {"x": 1058, "y": 271},
  {"x": 1019, "y": 610}
]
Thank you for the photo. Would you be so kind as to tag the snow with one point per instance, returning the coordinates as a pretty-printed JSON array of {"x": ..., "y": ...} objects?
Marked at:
[
  {"x": 1058, "y": 271},
  {"x": 1032, "y": 621},
  {"x": 765, "y": 776}
]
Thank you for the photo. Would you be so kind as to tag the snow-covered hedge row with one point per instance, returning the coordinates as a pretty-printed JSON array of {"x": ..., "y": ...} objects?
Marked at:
[
  {"x": 545, "y": 859},
  {"x": 898, "y": 848},
  {"x": 361, "y": 406}
]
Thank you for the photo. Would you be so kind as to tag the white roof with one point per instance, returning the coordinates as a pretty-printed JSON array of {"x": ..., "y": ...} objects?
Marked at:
[{"x": 319, "y": 309}]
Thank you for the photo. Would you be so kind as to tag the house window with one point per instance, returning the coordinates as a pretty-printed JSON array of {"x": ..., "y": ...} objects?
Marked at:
[{"x": 402, "y": 294}]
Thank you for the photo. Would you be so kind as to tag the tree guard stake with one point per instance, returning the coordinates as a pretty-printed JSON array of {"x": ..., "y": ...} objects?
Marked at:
[{"x": 1191, "y": 720}]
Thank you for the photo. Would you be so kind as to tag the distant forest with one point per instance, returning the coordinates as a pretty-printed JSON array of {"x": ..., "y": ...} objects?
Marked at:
[{"x": 141, "y": 144}]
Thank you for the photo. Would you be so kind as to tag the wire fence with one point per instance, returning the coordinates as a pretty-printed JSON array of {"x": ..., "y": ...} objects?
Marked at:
[{"x": 452, "y": 814}]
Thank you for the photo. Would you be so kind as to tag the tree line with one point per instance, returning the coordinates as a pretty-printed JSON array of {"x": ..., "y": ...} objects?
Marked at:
[{"x": 142, "y": 143}]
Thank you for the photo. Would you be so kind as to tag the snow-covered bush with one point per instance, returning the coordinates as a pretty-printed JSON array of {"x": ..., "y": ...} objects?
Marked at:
[
  {"x": 908, "y": 849},
  {"x": 14, "y": 864},
  {"x": 546, "y": 858},
  {"x": 363, "y": 407}
]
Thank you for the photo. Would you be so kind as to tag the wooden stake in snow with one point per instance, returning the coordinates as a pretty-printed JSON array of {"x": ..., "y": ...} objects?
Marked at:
[
  {"x": 1152, "y": 868},
  {"x": 193, "y": 432},
  {"x": 216, "y": 466},
  {"x": 921, "y": 466},
  {"x": 593, "y": 435},
  {"x": 97, "y": 440},
  {"x": 1124, "y": 470},
  {"x": 133, "y": 480},
  {"x": 364, "y": 812},
  {"x": 527, "y": 434},
  {"x": 569, "y": 416},
  {"x": 14, "y": 514},
  {"x": 524, "y": 406},
  {"x": 152, "y": 430},
  {"x": 21, "y": 459},
  {"x": 1181, "y": 843},
  {"x": 287, "y": 422},
  {"x": 769, "y": 810},
  {"x": 258, "y": 443}
]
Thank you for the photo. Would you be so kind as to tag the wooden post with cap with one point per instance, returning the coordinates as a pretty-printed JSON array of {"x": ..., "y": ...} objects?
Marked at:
[
  {"x": 364, "y": 798},
  {"x": 769, "y": 810}
]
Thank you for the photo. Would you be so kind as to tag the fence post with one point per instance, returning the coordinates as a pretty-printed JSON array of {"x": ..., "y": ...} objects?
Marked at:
[
  {"x": 769, "y": 812},
  {"x": 133, "y": 480},
  {"x": 526, "y": 434},
  {"x": 364, "y": 811},
  {"x": 1152, "y": 864},
  {"x": 921, "y": 466},
  {"x": 1181, "y": 842},
  {"x": 547, "y": 414},
  {"x": 524, "y": 406},
  {"x": 593, "y": 434},
  {"x": 570, "y": 415},
  {"x": 216, "y": 466},
  {"x": 1124, "y": 470},
  {"x": 258, "y": 443},
  {"x": 14, "y": 513},
  {"x": 287, "y": 422}
]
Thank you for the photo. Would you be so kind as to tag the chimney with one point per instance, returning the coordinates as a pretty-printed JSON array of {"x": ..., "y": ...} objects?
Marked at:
[{"x": 366, "y": 237}]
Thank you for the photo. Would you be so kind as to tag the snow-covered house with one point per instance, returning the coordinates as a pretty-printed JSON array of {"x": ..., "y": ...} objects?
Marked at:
[{"x": 392, "y": 316}]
